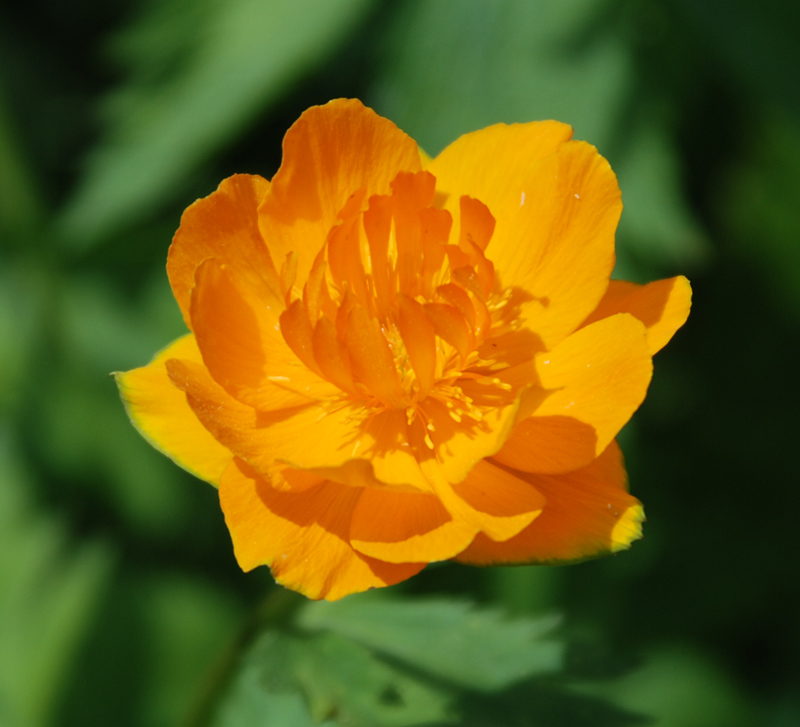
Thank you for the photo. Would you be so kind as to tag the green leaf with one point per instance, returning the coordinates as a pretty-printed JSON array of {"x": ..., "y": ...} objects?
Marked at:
[
  {"x": 680, "y": 687},
  {"x": 476, "y": 648},
  {"x": 249, "y": 704},
  {"x": 338, "y": 680},
  {"x": 656, "y": 223},
  {"x": 246, "y": 53}
]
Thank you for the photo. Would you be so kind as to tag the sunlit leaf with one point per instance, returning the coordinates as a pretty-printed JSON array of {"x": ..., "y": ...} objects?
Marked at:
[
  {"x": 477, "y": 648},
  {"x": 340, "y": 681}
]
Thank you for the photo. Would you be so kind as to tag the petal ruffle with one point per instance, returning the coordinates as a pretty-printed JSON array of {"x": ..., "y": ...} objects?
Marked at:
[
  {"x": 303, "y": 537},
  {"x": 588, "y": 513},
  {"x": 557, "y": 204},
  {"x": 663, "y": 306},
  {"x": 402, "y": 527},
  {"x": 224, "y": 226},
  {"x": 239, "y": 336},
  {"x": 345, "y": 441},
  {"x": 159, "y": 410},
  {"x": 329, "y": 154},
  {"x": 597, "y": 377},
  {"x": 494, "y": 500}
]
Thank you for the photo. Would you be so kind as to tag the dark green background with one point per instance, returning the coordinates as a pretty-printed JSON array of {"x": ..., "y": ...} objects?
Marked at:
[{"x": 118, "y": 588}]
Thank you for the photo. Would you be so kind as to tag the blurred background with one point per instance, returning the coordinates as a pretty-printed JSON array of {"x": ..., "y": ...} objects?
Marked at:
[{"x": 118, "y": 587}]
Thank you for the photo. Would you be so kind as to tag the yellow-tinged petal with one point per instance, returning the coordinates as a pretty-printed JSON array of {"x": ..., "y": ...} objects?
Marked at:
[
  {"x": 303, "y": 537},
  {"x": 663, "y": 306},
  {"x": 588, "y": 513},
  {"x": 556, "y": 203},
  {"x": 224, "y": 226},
  {"x": 331, "y": 152},
  {"x": 160, "y": 412},
  {"x": 240, "y": 339},
  {"x": 403, "y": 527},
  {"x": 597, "y": 378}
]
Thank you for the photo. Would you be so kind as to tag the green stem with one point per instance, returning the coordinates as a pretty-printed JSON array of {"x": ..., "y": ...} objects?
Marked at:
[{"x": 276, "y": 611}]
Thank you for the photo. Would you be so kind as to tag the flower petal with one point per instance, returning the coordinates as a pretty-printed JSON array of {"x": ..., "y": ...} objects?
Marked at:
[
  {"x": 159, "y": 410},
  {"x": 663, "y": 306},
  {"x": 402, "y": 527},
  {"x": 492, "y": 499},
  {"x": 302, "y": 537},
  {"x": 491, "y": 164},
  {"x": 270, "y": 441},
  {"x": 597, "y": 377},
  {"x": 556, "y": 203},
  {"x": 239, "y": 336},
  {"x": 330, "y": 153},
  {"x": 223, "y": 225},
  {"x": 588, "y": 513}
]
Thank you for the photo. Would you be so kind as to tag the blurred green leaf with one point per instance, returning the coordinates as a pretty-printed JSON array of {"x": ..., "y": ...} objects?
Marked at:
[
  {"x": 477, "y": 648},
  {"x": 154, "y": 649},
  {"x": 758, "y": 205},
  {"x": 22, "y": 293},
  {"x": 249, "y": 704},
  {"x": 188, "y": 622},
  {"x": 680, "y": 687},
  {"x": 460, "y": 65},
  {"x": 20, "y": 206},
  {"x": 656, "y": 223},
  {"x": 49, "y": 593},
  {"x": 342, "y": 680},
  {"x": 243, "y": 54},
  {"x": 326, "y": 679}
]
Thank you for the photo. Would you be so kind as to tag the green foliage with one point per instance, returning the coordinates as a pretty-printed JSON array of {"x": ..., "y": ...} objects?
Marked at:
[
  {"x": 214, "y": 65},
  {"x": 453, "y": 641},
  {"x": 379, "y": 661},
  {"x": 50, "y": 588}
]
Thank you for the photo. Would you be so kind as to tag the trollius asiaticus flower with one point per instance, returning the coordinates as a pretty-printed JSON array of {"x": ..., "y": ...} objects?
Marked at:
[{"x": 394, "y": 360}]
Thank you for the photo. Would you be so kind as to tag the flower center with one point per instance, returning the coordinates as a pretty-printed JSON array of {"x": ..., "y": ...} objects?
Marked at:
[{"x": 394, "y": 313}]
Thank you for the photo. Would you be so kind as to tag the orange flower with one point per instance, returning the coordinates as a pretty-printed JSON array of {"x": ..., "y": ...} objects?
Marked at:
[{"x": 395, "y": 360}]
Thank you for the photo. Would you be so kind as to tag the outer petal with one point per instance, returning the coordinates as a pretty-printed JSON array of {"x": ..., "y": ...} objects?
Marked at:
[
  {"x": 160, "y": 412},
  {"x": 331, "y": 152},
  {"x": 239, "y": 336},
  {"x": 598, "y": 377},
  {"x": 588, "y": 513},
  {"x": 557, "y": 209},
  {"x": 402, "y": 527},
  {"x": 663, "y": 306},
  {"x": 303, "y": 537},
  {"x": 224, "y": 226}
]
